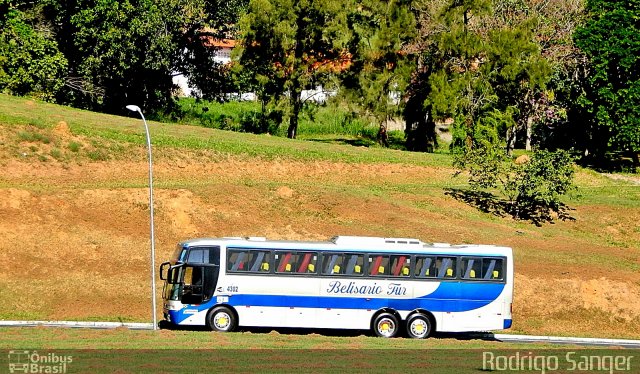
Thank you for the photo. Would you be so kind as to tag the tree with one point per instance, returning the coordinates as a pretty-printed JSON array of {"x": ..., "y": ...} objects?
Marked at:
[
  {"x": 481, "y": 73},
  {"x": 288, "y": 46},
  {"x": 129, "y": 49},
  {"x": 611, "y": 41},
  {"x": 544, "y": 113},
  {"x": 30, "y": 62},
  {"x": 218, "y": 20},
  {"x": 380, "y": 67}
]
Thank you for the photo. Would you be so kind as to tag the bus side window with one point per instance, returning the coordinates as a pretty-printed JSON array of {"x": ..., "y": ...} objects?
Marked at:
[
  {"x": 425, "y": 267},
  {"x": 492, "y": 269},
  {"x": 236, "y": 261},
  {"x": 355, "y": 264},
  {"x": 400, "y": 265},
  {"x": 379, "y": 265},
  {"x": 260, "y": 261},
  {"x": 446, "y": 267},
  {"x": 471, "y": 268},
  {"x": 286, "y": 261},
  {"x": 306, "y": 263},
  {"x": 332, "y": 264}
]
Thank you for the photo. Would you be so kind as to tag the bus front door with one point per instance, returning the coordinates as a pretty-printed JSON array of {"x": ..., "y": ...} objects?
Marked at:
[{"x": 199, "y": 283}]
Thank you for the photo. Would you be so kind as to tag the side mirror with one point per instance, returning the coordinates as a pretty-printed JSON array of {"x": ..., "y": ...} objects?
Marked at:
[{"x": 164, "y": 276}]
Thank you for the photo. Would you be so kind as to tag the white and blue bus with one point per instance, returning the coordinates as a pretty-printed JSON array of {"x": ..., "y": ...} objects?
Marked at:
[{"x": 388, "y": 285}]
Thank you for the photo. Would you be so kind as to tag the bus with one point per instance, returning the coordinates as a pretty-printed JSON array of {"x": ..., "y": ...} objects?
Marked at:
[{"x": 390, "y": 286}]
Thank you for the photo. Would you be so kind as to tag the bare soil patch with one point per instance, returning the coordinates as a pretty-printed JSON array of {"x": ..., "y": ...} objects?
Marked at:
[{"x": 76, "y": 236}]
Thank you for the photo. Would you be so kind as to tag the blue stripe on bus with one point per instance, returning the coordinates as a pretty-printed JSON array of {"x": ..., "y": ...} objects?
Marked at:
[{"x": 448, "y": 297}]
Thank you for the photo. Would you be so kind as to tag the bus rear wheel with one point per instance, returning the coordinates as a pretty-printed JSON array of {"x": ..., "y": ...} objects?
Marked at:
[
  {"x": 386, "y": 325},
  {"x": 222, "y": 319},
  {"x": 419, "y": 326}
]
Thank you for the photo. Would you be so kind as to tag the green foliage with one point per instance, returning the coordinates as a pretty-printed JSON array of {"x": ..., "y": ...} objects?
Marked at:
[
  {"x": 485, "y": 165},
  {"x": 542, "y": 181},
  {"x": 478, "y": 72},
  {"x": 335, "y": 119},
  {"x": 30, "y": 62},
  {"x": 128, "y": 49},
  {"x": 380, "y": 70},
  {"x": 74, "y": 146},
  {"x": 34, "y": 137},
  {"x": 611, "y": 40},
  {"x": 288, "y": 46},
  {"x": 531, "y": 188},
  {"x": 319, "y": 122},
  {"x": 218, "y": 21}
]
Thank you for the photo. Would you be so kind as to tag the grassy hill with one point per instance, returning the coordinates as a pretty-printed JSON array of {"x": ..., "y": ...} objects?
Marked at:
[{"x": 74, "y": 216}]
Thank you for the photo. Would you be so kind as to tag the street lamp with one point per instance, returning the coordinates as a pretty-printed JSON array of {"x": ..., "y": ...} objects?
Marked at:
[{"x": 135, "y": 108}]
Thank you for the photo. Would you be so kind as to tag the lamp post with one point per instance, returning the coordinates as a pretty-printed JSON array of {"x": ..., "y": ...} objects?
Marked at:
[{"x": 135, "y": 108}]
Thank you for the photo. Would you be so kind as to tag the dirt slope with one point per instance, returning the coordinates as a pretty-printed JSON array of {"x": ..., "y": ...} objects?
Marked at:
[{"x": 74, "y": 238}]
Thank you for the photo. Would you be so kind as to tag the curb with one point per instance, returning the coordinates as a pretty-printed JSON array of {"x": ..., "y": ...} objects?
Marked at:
[
  {"x": 628, "y": 343},
  {"x": 79, "y": 324}
]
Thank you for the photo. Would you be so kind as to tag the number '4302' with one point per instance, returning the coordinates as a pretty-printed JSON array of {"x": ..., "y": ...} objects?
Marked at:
[{"x": 232, "y": 288}]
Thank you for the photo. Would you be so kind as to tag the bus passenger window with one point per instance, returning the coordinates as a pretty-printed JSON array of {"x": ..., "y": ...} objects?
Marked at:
[
  {"x": 471, "y": 268},
  {"x": 305, "y": 263},
  {"x": 379, "y": 265},
  {"x": 425, "y": 267},
  {"x": 355, "y": 264},
  {"x": 332, "y": 264},
  {"x": 259, "y": 261},
  {"x": 400, "y": 265},
  {"x": 285, "y": 262},
  {"x": 492, "y": 269},
  {"x": 446, "y": 267},
  {"x": 236, "y": 261}
]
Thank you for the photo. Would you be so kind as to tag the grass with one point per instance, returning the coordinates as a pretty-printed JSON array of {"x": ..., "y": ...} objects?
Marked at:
[
  {"x": 315, "y": 122},
  {"x": 122, "y": 338},
  {"x": 17, "y": 113},
  {"x": 179, "y": 351}
]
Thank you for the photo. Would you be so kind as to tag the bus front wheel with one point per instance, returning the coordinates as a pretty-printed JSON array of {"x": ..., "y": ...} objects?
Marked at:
[
  {"x": 222, "y": 319},
  {"x": 419, "y": 326},
  {"x": 385, "y": 325}
]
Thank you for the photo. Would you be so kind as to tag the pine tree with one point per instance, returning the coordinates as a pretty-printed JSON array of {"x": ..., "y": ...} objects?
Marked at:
[
  {"x": 478, "y": 73},
  {"x": 289, "y": 45},
  {"x": 381, "y": 67}
]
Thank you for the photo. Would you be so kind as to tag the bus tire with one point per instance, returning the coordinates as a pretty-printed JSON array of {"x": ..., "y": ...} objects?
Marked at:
[
  {"x": 419, "y": 326},
  {"x": 386, "y": 325},
  {"x": 222, "y": 319}
]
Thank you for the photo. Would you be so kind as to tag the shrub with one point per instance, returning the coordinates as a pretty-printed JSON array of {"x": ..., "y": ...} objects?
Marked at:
[{"x": 532, "y": 188}]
